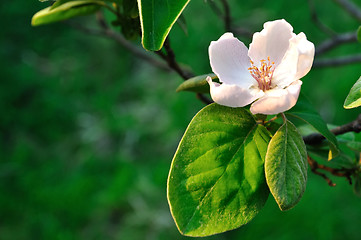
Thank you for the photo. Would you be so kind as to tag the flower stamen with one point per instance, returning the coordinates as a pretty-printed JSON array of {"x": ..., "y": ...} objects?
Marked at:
[{"x": 263, "y": 75}]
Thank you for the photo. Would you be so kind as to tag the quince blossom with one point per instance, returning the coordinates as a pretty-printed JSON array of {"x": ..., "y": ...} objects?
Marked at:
[{"x": 267, "y": 74}]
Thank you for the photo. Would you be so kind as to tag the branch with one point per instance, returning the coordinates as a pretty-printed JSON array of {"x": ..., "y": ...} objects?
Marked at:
[
  {"x": 316, "y": 138},
  {"x": 215, "y": 8},
  {"x": 227, "y": 16},
  {"x": 244, "y": 32},
  {"x": 335, "y": 41},
  {"x": 343, "y": 172},
  {"x": 171, "y": 61},
  {"x": 204, "y": 99},
  {"x": 169, "y": 57},
  {"x": 337, "y": 61},
  {"x": 106, "y": 32},
  {"x": 351, "y": 8},
  {"x": 314, "y": 17}
]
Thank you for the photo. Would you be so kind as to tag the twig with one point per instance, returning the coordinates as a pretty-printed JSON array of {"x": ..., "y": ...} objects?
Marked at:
[
  {"x": 244, "y": 32},
  {"x": 169, "y": 57},
  {"x": 105, "y": 31},
  {"x": 344, "y": 172},
  {"x": 171, "y": 61},
  {"x": 204, "y": 99},
  {"x": 272, "y": 119},
  {"x": 337, "y": 61},
  {"x": 284, "y": 117},
  {"x": 351, "y": 8},
  {"x": 354, "y": 126},
  {"x": 335, "y": 41},
  {"x": 226, "y": 16},
  {"x": 215, "y": 8},
  {"x": 108, "y": 33},
  {"x": 314, "y": 17}
]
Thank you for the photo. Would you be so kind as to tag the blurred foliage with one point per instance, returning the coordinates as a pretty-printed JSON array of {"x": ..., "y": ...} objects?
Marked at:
[{"x": 88, "y": 131}]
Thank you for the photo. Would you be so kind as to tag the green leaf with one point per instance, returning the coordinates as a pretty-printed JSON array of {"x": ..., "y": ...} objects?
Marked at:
[
  {"x": 353, "y": 99},
  {"x": 216, "y": 182},
  {"x": 197, "y": 84},
  {"x": 355, "y": 146},
  {"x": 60, "y": 2},
  {"x": 157, "y": 18},
  {"x": 303, "y": 110},
  {"x": 286, "y": 166},
  {"x": 65, "y": 11},
  {"x": 358, "y": 34}
]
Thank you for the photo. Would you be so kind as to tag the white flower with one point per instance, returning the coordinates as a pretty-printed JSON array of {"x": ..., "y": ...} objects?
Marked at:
[{"x": 267, "y": 74}]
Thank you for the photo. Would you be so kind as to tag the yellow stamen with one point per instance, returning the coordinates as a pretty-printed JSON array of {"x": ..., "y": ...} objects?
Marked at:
[{"x": 263, "y": 75}]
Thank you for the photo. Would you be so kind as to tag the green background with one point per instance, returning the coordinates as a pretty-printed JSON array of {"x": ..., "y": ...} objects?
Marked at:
[{"x": 88, "y": 131}]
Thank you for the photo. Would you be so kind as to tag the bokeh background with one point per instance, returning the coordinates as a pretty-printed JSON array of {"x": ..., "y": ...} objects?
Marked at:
[{"x": 88, "y": 130}]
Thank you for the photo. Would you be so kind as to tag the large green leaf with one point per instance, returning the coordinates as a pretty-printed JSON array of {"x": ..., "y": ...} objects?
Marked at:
[
  {"x": 65, "y": 11},
  {"x": 197, "y": 84},
  {"x": 217, "y": 182},
  {"x": 286, "y": 166},
  {"x": 157, "y": 18},
  {"x": 303, "y": 110},
  {"x": 353, "y": 99}
]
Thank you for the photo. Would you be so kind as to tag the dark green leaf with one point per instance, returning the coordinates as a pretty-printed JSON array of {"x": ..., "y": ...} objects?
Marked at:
[
  {"x": 304, "y": 111},
  {"x": 65, "y": 11},
  {"x": 286, "y": 166},
  {"x": 157, "y": 18},
  {"x": 217, "y": 182},
  {"x": 353, "y": 99},
  {"x": 197, "y": 84}
]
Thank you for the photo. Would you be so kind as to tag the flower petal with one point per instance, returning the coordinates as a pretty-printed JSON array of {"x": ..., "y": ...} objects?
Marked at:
[
  {"x": 296, "y": 63},
  {"x": 232, "y": 95},
  {"x": 306, "y": 51},
  {"x": 230, "y": 62},
  {"x": 271, "y": 42},
  {"x": 277, "y": 100}
]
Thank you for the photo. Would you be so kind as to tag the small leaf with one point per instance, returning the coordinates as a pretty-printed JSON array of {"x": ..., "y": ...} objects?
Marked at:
[
  {"x": 157, "y": 18},
  {"x": 217, "y": 182},
  {"x": 353, "y": 99},
  {"x": 303, "y": 110},
  {"x": 197, "y": 84},
  {"x": 64, "y": 11},
  {"x": 358, "y": 34},
  {"x": 286, "y": 166}
]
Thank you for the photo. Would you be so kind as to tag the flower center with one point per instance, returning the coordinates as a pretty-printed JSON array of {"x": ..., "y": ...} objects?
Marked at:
[{"x": 263, "y": 74}]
